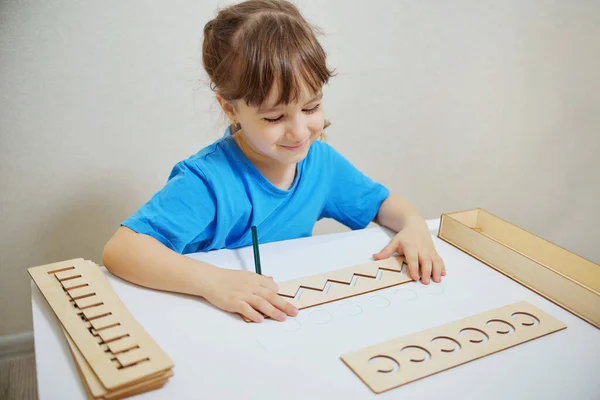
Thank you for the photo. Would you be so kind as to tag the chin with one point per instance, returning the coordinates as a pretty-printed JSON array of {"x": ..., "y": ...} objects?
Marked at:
[{"x": 295, "y": 159}]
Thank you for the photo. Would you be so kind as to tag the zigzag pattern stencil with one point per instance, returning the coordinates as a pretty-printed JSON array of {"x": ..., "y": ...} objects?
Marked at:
[{"x": 347, "y": 282}]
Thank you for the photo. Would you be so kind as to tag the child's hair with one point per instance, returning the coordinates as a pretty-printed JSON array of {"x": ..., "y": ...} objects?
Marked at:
[{"x": 251, "y": 45}]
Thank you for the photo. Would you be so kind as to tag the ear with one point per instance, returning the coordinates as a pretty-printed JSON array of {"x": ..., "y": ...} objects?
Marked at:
[{"x": 227, "y": 107}]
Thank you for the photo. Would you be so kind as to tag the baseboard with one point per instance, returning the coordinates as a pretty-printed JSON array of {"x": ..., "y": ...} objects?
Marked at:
[{"x": 16, "y": 345}]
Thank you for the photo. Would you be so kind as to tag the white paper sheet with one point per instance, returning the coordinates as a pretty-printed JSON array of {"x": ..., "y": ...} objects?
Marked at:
[{"x": 218, "y": 356}]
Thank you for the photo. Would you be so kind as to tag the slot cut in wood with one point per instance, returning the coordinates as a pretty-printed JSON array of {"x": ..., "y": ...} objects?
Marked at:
[
  {"x": 115, "y": 356},
  {"x": 388, "y": 365}
]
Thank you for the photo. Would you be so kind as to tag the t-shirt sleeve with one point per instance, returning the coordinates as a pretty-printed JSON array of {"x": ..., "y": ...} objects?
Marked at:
[
  {"x": 180, "y": 212},
  {"x": 354, "y": 198}
]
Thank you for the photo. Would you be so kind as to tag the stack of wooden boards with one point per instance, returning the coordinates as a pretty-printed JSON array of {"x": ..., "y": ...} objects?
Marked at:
[{"x": 115, "y": 356}]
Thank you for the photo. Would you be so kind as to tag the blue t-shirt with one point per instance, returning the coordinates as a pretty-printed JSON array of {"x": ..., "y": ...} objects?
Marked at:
[{"x": 211, "y": 200}]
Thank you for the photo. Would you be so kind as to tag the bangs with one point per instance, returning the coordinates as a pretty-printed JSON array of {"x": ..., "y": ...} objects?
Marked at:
[{"x": 275, "y": 51}]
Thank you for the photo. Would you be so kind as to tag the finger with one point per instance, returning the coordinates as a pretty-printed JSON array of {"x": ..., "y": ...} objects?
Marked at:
[
  {"x": 278, "y": 301},
  {"x": 425, "y": 269},
  {"x": 437, "y": 269},
  {"x": 413, "y": 263},
  {"x": 387, "y": 251},
  {"x": 443, "y": 267},
  {"x": 268, "y": 282},
  {"x": 266, "y": 308},
  {"x": 246, "y": 310}
]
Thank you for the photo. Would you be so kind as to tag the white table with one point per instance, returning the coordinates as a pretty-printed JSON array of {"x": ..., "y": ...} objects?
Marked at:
[{"x": 218, "y": 356}]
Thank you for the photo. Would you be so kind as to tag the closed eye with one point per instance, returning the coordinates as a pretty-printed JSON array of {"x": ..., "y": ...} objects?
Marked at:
[
  {"x": 312, "y": 110},
  {"x": 273, "y": 120},
  {"x": 306, "y": 111}
]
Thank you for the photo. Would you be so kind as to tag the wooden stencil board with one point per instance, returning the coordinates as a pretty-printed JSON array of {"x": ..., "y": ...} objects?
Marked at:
[
  {"x": 339, "y": 284},
  {"x": 399, "y": 361},
  {"x": 114, "y": 354}
]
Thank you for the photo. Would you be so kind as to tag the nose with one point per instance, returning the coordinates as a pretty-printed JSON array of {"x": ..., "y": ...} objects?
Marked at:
[{"x": 298, "y": 130}]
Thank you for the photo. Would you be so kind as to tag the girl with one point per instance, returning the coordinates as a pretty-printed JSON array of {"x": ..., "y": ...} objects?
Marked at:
[{"x": 270, "y": 169}]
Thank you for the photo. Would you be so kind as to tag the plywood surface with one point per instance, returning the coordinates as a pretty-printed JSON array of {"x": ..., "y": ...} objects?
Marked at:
[
  {"x": 399, "y": 361},
  {"x": 115, "y": 355},
  {"x": 343, "y": 283},
  {"x": 555, "y": 273}
]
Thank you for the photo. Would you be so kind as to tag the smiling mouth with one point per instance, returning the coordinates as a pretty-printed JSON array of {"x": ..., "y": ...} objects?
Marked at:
[{"x": 295, "y": 147}]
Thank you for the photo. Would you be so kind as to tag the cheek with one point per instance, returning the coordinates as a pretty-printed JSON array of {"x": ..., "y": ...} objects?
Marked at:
[
  {"x": 316, "y": 121},
  {"x": 273, "y": 133},
  {"x": 265, "y": 136}
]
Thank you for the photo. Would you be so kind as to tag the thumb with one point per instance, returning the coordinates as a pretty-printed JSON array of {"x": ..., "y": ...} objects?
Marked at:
[{"x": 387, "y": 251}]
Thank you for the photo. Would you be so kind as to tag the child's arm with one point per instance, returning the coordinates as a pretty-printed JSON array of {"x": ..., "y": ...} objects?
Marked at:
[
  {"x": 413, "y": 239},
  {"x": 145, "y": 261}
]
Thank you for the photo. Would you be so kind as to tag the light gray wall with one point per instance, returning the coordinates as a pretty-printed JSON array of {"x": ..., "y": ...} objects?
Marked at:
[{"x": 452, "y": 104}]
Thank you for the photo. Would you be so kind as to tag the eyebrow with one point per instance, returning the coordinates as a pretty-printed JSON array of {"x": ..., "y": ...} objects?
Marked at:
[{"x": 277, "y": 106}]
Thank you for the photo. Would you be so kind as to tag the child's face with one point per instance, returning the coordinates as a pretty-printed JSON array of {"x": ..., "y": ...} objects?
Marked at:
[{"x": 282, "y": 132}]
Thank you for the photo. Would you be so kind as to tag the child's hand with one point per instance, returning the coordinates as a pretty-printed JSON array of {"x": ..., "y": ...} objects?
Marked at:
[
  {"x": 414, "y": 242},
  {"x": 245, "y": 292}
]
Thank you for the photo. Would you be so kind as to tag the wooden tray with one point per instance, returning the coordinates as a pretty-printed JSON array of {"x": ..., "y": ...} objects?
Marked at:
[{"x": 559, "y": 275}]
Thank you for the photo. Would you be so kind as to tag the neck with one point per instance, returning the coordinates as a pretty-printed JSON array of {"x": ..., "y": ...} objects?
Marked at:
[{"x": 279, "y": 174}]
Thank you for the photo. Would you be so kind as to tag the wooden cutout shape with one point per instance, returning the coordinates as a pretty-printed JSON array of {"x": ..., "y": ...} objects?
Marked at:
[
  {"x": 105, "y": 322},
  {"x": 388, "y": 365},
  {"x": 339, "y": 284},
  {"x": 103, "y": 325}
]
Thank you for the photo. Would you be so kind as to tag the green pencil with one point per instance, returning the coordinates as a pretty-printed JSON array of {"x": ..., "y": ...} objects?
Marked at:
[{"x": 256, "y": 252}]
